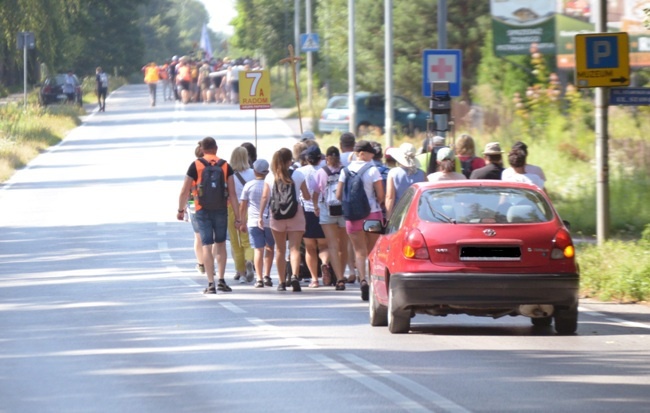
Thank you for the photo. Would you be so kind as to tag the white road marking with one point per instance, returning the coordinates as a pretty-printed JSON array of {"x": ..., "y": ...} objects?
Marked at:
[
  {"x": 233, "y": 308},
  {"x": 413, "y": 386},
  {"x": 375, "y": 385},
  {"x": 293, "y": 340},
  {"x": 628, "y": 323}
]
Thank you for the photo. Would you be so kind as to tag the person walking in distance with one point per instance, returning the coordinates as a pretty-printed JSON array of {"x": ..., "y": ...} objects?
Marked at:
[
  {"x": 215, "y": 188},
  {"x": 240, "y": 246},
  {"x": 69, "y": 86},
  {"x": 281, "y": 188},
  {"x": 493, "y": 163},
  {"x": 151, "y": 78},
  {"x": 403, "y": 176},
  {"x": 261, "y": 237},
  {"x": 361, "y": 191},
  {"x": 101, "y": 79}
]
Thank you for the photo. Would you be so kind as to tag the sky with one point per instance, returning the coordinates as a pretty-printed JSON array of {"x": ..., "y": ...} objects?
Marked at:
[{"x": 221, "y": 12}]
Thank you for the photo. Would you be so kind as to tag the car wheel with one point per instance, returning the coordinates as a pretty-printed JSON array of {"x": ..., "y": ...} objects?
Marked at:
[
  {"x": 542, "y": 321},
  {"x": 378, "y": 312},
  {"x": 566, "y": 320},
  {"x": 363, "y": 129},
  {"x": 399, "y": 322}
]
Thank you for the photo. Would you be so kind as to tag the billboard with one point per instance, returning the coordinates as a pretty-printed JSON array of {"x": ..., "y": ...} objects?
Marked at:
[
  {"x": 517, "y": 24},
  {"x": 553, "y": 24}
]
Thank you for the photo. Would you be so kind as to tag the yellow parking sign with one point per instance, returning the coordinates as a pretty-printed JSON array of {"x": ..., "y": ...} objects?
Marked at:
[
  {"x": 602, "y": 59},
  {"x": 254, "y": 89}
]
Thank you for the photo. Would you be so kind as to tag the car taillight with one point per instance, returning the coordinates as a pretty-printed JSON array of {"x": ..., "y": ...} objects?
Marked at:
[
  {"x": 415, "y": 246},
  {"x": 562, "y": 245}
]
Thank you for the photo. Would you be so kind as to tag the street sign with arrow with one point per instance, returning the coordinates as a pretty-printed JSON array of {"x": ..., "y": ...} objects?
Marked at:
[{"x": 602, "y": 59}]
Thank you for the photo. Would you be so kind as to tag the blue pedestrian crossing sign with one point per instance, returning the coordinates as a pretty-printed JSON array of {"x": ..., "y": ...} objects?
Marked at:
[{"x": 309, "y": 42}]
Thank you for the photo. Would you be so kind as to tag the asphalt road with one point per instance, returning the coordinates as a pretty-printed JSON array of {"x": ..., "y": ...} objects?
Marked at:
[{"x": 101, "y": 309}]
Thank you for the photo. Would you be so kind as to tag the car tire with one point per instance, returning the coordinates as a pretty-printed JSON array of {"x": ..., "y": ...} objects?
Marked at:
[
  {"x": 399, "y": 322},
  {"x": 566, "y": 321},
  {"x": 378, "y": 312},
  {"x": 542, "y": 321}
]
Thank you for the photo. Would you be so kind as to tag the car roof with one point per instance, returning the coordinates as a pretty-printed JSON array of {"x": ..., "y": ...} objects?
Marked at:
[{"x": 475, "y": 183}]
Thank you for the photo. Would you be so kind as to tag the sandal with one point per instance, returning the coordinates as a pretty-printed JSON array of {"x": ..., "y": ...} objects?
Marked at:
[
  {"x": 327, "y": 277},
  {"x": 340, "y": 285},
  {"x": 259, "y": 284},
  {"x": 314, "y": 284},
  {"x": 351, "y": 279},
  {"x": 365, "y": 290}
]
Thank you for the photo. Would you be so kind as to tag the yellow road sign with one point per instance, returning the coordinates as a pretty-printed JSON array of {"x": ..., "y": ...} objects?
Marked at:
[
  {"x": 602, "y": 59},
  {"x": 254, "y": 89}
]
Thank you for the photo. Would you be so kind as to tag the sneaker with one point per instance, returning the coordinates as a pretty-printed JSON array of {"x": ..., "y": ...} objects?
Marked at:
[
  {"x": 210, "y": 289},
  {"x": 365, "y": 290},
  {"x": 222, "y": 286},
  {"x": 236, "y": 277},
  {"x": 295, "y": 284},
  {"x": 327, "y": 277},
  {"x": 242, "y": 278},
  {"x": 250, "y": 271},
  {"x": 268, "y": 281},
  {"x": 200, "y": 268},
  {"x": 259, "y": 284},
  {"x": 282, "y": 286}
]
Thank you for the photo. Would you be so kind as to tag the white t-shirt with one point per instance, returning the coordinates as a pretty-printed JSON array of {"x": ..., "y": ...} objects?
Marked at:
[
  {"x": 309, "y": 172},
  {"x": 247, "y": 174},
  {"x": 371, "y": 176},
  {"x": 445, "y": 176},
  {"x": 252, "y": 192},
  {"x": 297, "y": 177},
  {"x": 530, "y": 169},
  {"x": 528, "y": 178}
]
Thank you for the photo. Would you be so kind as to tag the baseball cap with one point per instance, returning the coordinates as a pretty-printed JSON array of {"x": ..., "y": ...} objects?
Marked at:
[
  {"x": 438, "y": 140},
  {"x": 261, "y": 166},
  {"x": 364, "y": 146},
  {"x": 307, "y": 136},
  {"x": 445, "y": 154},
  {"x": 312, "y": 152}
]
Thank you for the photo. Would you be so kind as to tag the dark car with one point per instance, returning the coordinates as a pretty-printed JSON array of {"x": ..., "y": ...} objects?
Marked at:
[
  {"x": 52, "y": 90},
  {"x": 481, "y": 248},
  {"x": 371, "y": 113}
]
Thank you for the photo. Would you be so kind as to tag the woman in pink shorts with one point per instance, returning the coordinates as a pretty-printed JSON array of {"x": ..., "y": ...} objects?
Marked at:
[
  {"x": 363, "y": 242},
  {"x": 286, "y": 228}
]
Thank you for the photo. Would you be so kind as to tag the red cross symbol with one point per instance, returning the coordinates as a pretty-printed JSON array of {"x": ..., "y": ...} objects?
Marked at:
[{"x": 441, "y": 69}]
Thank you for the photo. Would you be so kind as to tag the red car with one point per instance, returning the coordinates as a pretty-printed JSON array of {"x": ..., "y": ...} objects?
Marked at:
[{"x": 482, "y": 248}]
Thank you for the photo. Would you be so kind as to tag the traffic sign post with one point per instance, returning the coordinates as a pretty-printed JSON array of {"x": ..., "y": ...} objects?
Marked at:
[
  {"x": 602, "y": 59},
  {"x": 309, "y": 42},
  {"x": 442, "y": 66},
  {"x": 25, "y": 40},
  {"x": 254, "y": 92}
]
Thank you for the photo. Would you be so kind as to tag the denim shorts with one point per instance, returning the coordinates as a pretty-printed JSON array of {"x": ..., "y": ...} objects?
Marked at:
[
  {"x": 195, "y": 223},
  {"x": 261, "y": 237},
  {"x": 213, "y": 226}
]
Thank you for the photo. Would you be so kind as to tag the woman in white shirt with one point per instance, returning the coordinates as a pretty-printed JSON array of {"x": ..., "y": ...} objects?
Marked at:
[{"x": 373, "y": 185}]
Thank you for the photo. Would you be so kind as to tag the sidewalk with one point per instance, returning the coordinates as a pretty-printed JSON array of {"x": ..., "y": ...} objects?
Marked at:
[{"x": 293, "y": 123}]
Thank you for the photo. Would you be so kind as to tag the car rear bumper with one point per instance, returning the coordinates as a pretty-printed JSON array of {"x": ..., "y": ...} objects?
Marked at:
[{"x": 423, "y": 290}]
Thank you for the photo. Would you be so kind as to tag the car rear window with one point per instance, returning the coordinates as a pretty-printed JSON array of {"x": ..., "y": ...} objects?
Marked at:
[
  {"x": 338, "y": 103},
  {"x": 481, "y": 205}
]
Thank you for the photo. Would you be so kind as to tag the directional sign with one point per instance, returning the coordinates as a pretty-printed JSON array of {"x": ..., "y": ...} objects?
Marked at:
[
  {"x": 441, "y": 65},
  {"x": 602, "y": 59},
  {"x": 254, "y": 89},
  {"x": 629, "y": 96},
  {"x": 309, "y": 42}
]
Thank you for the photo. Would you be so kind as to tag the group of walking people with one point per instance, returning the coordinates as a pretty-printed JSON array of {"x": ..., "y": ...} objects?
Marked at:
[{"x": 307, "y": 200}]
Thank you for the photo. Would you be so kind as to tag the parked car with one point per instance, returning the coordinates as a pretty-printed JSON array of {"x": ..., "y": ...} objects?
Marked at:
[
  {"x": 371, "y": 113},
  {"x": 482, "y": 248},
  {"x": 51, "y": 90}
]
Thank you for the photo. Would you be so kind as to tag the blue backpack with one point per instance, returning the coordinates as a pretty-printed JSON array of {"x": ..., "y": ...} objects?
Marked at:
[{"x": 355, "y": 201}]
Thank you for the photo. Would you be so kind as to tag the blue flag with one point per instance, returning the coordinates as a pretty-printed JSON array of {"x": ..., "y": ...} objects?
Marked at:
[{"x": 205, "y": 42}]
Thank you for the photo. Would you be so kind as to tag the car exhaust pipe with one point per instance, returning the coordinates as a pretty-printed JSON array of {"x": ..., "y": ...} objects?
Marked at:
[{"x": 536, "y": 310}]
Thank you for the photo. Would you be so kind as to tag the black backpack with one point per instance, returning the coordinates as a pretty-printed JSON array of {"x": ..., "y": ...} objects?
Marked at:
[
  {"x": 284, "y": 203},
  {"x": 355, "y": 201},
  {"x": 467, "y": 166},
  {"x": 213, "y": 189}
]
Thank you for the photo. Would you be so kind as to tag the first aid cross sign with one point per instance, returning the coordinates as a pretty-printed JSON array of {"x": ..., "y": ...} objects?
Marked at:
[
  {"x": 441, "y": 66},
  {"x": 602, "y": 59}
]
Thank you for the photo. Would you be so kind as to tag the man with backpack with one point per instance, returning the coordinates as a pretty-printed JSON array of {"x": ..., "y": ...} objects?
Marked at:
[
  {"x": 361, "y": 191},
  {"x": 213, "y": 186},
  {"x": 101, "y": 80}
]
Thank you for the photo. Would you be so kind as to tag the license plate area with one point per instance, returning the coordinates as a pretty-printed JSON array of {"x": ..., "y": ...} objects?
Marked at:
[{"x": 490, "y": 253}]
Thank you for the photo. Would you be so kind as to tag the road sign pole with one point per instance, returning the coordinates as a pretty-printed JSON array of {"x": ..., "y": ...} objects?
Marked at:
[
  {"x": 602, "y": 152},
  {"x": 352, "y": 104},
  {"x": 309, "y": 57},
  {"x": 25, "y": 34},
  {"x": 388, "y": 67}
]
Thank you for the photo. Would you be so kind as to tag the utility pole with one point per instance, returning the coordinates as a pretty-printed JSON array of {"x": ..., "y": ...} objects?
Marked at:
[
  {"x": 388, "y": 68},
  {"x": 442, "y": 24},
  {"x": 296, "y": 34},
  {"x": 309, "y": 55},
  {"x": 602, "y": 151},
  {"x": 352, "y": 105}
]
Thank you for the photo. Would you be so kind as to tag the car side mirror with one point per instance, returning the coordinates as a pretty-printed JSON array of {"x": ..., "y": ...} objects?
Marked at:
[
  {"x": 374, "y": 226},
  {"x": 567, "y": 224}
]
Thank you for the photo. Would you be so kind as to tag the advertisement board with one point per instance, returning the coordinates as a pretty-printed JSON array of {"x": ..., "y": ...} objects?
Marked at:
[{"x": 517, "y": 24}]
